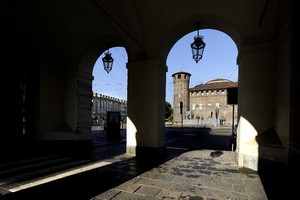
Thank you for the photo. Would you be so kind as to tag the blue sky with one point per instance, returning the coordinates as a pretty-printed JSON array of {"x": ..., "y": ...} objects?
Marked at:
[
  {"x": 115, "y": 83},
  {"x": 219, "y": 61}
]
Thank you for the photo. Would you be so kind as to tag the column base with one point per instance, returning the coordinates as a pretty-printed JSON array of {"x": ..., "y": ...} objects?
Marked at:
[
  {"x": 131, "y": 150},
  {"x": 248, "y": 161}
]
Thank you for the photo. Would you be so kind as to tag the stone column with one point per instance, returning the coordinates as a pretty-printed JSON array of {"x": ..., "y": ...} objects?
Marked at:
[
  {"x": 146, "y": 107},
  {"x": 256, "y": 99}
]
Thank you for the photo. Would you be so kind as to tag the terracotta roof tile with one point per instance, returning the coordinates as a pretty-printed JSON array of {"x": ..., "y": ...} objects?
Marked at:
[{"x": 215, "y": 84}]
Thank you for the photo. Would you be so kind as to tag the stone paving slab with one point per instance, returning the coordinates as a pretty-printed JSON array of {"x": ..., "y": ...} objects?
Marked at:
[{"x": 199, "y": 174}]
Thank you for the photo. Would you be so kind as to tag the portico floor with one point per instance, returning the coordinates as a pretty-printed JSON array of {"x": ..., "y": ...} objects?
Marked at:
[
  {"x": 187, "y": 171},
  {"x": 197, "y": 175}
]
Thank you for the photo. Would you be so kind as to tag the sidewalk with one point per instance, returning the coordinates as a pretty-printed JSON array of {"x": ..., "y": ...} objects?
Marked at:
[{"x": 198, "y": 126}]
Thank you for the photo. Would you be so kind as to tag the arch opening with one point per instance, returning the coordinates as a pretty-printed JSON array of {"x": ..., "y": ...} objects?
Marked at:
[
  {"x": 109, "y": 100},
  {"x": 79, "y": 96},
  {"x": 202, "y": 87}
]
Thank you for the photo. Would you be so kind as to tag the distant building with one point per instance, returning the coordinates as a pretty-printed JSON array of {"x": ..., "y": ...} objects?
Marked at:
[
  {"x": 204, "y": 103},
  {"x": 103, "y": 103}
]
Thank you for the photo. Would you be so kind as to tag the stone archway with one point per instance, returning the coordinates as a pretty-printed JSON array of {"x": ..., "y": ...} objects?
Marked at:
[
  {"x": 79, "y": 93},
  {"x": 255, "y": 115}
]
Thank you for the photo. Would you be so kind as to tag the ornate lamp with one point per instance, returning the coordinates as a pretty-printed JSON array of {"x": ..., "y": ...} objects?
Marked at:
[
  {"x": 198, "y": 46},
  {"x": 107, "y": 61}
]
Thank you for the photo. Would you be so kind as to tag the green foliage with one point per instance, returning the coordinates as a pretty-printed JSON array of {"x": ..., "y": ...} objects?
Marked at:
[{"x": 168, "y": 112}]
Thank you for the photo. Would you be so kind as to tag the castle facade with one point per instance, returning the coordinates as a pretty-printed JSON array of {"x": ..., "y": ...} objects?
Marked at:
[{"x": 204, "y": 103}]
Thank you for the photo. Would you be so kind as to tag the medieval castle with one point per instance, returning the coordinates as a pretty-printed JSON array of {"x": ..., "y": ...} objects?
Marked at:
[{"x": 206, "y": 103}]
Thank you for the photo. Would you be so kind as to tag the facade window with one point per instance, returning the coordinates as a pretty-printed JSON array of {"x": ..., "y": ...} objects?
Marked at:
[
  {"x": 200, "y": 106},
  {"x": 217, "y": 91},
  {"x": 194, "y": 106},
  {"x": 202, "y": 93},
  {"x": 223, "y": 92},
  {"x": 103, "y": 104},
  {"x": 178, "y": 95},
  {"x": 179, "y": 76},
  {"x": 212, "y": 92},
  {"x": 209, "y": 105},
  {"x": 217, "y": 105},
  {"x": 197, "y": 93},
  {"x": 207, "y": 92}
]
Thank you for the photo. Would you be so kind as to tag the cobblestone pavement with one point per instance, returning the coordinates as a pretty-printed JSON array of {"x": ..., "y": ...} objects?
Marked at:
[{"x": 193, "y": 175}]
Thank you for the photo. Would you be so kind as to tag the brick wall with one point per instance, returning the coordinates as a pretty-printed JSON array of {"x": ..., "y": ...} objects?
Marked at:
[{"x": 202, "y": 103}]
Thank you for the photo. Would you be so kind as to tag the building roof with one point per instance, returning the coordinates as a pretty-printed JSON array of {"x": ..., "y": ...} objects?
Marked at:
[
  {"x": 102, "y": 96},
  {"x": 181, "y": 73},
  {"x": 215, "y": 84}
]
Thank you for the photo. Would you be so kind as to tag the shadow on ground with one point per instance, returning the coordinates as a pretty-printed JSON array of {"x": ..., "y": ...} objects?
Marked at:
[{"x": 89, "y": 184}]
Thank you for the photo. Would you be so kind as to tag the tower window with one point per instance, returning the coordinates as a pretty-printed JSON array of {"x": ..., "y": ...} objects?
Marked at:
[{"x": 179, "y": 76}]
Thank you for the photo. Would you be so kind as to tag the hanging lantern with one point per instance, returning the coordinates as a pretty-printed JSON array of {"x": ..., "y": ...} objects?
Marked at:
[
  {"x": 107, "y": 61},
  {"x": 198, "y": 47}
]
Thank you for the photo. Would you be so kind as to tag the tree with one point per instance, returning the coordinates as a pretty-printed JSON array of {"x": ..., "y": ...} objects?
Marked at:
[{"x": 168, "y": 110}]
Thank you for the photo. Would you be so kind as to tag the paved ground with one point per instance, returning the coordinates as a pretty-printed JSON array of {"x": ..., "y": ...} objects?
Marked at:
[
  {"x": 194, "y": 175},
  {"x": 188, "y": 171},
  {"x": 100, "y": 139}
]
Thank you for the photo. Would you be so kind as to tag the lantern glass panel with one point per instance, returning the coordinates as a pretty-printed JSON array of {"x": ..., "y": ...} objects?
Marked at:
[
  {"x": 107, "y": 62},
  {"x": 197, "y": 48}
]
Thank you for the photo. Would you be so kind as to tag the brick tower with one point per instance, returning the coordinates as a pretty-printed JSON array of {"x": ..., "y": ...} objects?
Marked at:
[{"x": 181, "y": 81}]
